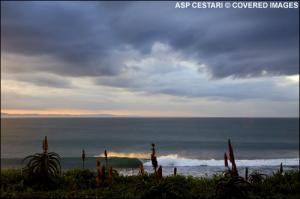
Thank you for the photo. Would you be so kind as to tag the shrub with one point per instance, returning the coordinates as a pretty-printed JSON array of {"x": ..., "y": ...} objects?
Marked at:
[
  {"x": 42, "y": 169},
  {"x": 79, "y": 179},
  {"x": 12, "y": 179},
  {"x": 231, "y": 186},
  {"x": 256, "y": 177}
]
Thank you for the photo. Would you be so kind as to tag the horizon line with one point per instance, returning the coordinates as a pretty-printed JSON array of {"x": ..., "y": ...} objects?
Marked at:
[{"x": 158, "y": 117}]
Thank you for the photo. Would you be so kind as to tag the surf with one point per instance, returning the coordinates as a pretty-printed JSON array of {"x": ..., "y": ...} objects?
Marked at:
[{"x": 172, "y": 160}]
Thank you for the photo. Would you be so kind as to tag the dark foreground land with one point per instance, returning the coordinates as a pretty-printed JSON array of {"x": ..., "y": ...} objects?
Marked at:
[{"x": 79, "y": 183}]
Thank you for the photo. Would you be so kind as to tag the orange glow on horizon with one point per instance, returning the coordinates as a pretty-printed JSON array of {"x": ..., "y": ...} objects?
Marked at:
[
  {"x": 126, "y": 155},
  {"x": 61, "y": 112},
  {"x": 83, "y": 112}
]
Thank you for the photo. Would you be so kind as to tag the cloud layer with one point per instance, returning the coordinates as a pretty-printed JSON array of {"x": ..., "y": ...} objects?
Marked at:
[
  {"x": 92, "y": 39},
  {"x": 151, "y": 48}
]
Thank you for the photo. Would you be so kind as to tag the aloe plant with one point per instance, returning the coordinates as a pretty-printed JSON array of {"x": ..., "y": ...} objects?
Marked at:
[
  {"x": 257, "y": 177},
  {"x": 43, "y": 166},
  {"x": 232, "y": 186}
]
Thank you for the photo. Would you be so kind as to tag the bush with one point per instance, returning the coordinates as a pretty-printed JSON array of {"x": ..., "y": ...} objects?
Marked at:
[
  {"x": 12, "y": 179},
  {"x": 79, "y": 179},
  {"x": 80, "y": 183},
  {"x": 231, "y": 186}
]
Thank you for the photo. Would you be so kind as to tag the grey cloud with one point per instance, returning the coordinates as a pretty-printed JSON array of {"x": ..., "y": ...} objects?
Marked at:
[
  {"x": 73, "y": 35},
  {"x": 212, "y": 35},
  {"x": 45, "y": 80},
  {"x": 108, "y": 41},
  {"x": 85, "y": 36},
  {"x": 219, "y": 91}
]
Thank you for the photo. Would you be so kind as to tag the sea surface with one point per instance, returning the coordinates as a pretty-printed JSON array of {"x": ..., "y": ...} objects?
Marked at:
[{"x": 196, "y": 146}]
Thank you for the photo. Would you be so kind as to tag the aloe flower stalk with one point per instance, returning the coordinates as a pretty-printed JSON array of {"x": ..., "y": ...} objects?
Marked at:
[
  {"x": 232, "y": 159},
  {"x": 153, "y": 158},
  {"x": 98, "y": 177},
  {"x": 281, "y": 168},
  {"x": 142, "y": 171},
  {"x": 225, "y": 160},
  {"x": 45, "y": 145},
  {"x": 110, "y": 172},
  {"x": 83, "y": 158},
  {"x": 102, "y": 173},
  {"x": 105, "y": 155},
  {"x": 159, "y": 172},
  {"x": 98, "y": 165},
  {"x": 230, "y": 149},
  {"x": 246, "y": 174},
  {"x": 175, "y": 171}
]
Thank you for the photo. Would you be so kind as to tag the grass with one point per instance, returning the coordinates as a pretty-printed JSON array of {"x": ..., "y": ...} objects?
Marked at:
[{"x": 81, "y": 183}]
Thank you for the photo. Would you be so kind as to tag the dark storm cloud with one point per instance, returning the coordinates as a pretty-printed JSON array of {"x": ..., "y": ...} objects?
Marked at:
[
  {"x": 93, "y": 39},
  {"x": 76, "y": 37}
]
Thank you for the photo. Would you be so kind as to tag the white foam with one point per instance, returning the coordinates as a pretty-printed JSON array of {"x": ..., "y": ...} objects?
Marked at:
[{"x": 176, "y": 160}]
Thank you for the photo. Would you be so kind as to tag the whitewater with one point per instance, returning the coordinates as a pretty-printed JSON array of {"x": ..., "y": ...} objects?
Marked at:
[{"x": 176, "y": 161}]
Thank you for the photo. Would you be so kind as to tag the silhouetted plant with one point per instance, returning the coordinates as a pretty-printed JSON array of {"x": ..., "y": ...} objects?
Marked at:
[
  {"x": 153, "y": 158},
  {"x": 110, "y": 175},
  {"x": 106, "y": 161},
  {"x": 256, "y": 177},
  {"x": 159, "y": 173},
  {"x": 41, "y": 168},
  {"x": 230, "y": 186},
  {"x": 175, "y": 171},
  {"x": 232, "y": 159},
  {"x": 246, "y": 174},
  {"x": 142, "y": 170},
  {"x": 281, "y": 168},
  {"x": 83, "y": 158},
  {"x": 225, "y": 160},
  {"x": 103, "y": 173},
  {"x": 99, "y": 173}
]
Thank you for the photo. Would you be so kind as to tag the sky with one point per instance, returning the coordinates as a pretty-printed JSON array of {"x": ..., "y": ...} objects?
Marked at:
[{"x": 148, "y": 59}]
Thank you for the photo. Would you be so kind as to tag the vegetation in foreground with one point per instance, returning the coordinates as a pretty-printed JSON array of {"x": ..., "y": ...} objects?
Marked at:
[
  {"x": 81, "y": 183},
  {"x": 42, "y": 178}
]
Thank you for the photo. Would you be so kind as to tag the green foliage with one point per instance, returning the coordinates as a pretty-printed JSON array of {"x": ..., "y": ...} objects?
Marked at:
[
  {"x": 232, "y": 186},
  {"x": 256, "y": 177},
  {"x": 79, "y": 179},
  {"x": 80, "y": 183},
  {"x": 42, "y": 169},
  {"x": 148, "y": 186},
  {"x": 12, "y": 179},
  {"x": 285, "y": 185},
  {"x": 43, "y": 164}
]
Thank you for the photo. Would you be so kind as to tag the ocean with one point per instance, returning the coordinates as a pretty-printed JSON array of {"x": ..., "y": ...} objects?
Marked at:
[{"x": 195, "y": 146}]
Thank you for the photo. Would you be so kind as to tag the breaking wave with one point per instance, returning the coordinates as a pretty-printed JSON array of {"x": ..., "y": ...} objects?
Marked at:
[
  {"x": 125, "y": 155},
  {"x": 176, "y": 160}
]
